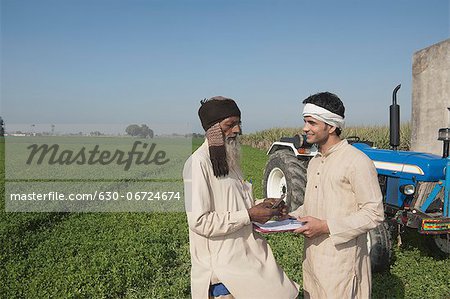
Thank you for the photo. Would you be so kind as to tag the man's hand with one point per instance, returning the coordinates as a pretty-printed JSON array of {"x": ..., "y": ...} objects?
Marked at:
[
  {"x": 312, "y": 227},
  {"x": 282, "y": 207},
  {"x": 263, "y": 212}
]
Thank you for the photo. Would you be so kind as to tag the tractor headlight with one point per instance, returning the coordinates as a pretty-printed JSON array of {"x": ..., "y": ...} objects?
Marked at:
[{"x": 407, "y": 189}]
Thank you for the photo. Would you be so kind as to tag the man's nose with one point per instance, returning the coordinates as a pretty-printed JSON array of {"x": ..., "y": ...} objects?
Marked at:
[
  {"x": 305, "y": 129},
  {"x": 236, "y": 129}
]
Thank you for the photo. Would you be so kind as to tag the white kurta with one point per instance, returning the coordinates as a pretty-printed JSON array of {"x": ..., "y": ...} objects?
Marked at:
[
  {"x": 343, "y": 189},
  {"x": 223, "y": 246}
]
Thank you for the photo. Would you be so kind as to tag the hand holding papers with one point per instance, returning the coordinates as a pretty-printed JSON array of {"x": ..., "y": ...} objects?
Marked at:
[
  {"x": 277, "y": 226},
  {"x": 278, "y": 202},
  {"x": 267, "y": 209}
]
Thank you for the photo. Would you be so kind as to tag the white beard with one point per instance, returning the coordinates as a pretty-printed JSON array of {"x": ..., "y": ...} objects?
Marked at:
[{"x": 233, "y": 150}]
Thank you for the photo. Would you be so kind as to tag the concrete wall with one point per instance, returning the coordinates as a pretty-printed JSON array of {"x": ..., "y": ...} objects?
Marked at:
[{"x": 430, "y": 97}]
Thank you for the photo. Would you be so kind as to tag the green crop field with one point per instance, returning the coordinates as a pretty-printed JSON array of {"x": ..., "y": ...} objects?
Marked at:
[{"x": 146, "y": 255}]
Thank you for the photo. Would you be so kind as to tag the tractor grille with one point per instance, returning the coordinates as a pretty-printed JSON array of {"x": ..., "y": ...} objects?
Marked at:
[{"x": 423, "y": 189}]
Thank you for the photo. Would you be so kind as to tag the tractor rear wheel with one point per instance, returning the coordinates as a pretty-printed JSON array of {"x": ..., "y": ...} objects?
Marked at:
[
  {"x": 285, "y": 174},
  {"x": 380, "y": 247}
]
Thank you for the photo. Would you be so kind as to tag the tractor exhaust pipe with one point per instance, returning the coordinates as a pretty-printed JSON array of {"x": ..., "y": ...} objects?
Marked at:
[
  {"x": 394, "y": 121},
  {"x": 444, "y": 135}
]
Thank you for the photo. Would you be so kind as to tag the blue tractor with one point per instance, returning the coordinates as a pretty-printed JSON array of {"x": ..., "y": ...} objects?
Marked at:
[{"x": 415, "y": 186}]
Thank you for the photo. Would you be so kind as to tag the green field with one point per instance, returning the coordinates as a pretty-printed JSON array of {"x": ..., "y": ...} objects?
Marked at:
[
  {"x": 146, "y": 255},
  {"x": 122, "y": 171}
]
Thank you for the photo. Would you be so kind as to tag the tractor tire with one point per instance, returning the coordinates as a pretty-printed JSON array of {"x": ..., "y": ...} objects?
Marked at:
[
  {"x": 379, "y": 243},
  {"x": 285, "y": 174},
  {"x": 439, "y": 245}
]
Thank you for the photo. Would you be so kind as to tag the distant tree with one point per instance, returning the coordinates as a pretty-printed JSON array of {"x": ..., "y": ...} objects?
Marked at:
[
  {"x": 198, "y": 135},
  {"x": 133, "y": 130},
  {"x": 96, "y": 133},
  {"x": 146, "y": 132},
  {"x": 2, "y": 127},
  {"x": 142, "y": 131}
]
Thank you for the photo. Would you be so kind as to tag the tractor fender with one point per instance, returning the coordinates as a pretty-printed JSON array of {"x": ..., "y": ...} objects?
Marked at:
[{"x": 279, "y": 145}]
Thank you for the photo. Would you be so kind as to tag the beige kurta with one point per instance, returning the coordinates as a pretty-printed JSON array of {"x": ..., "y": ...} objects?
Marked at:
[
  {"x": 222, "y": 243},
  {"x": 343, "y": 189}
]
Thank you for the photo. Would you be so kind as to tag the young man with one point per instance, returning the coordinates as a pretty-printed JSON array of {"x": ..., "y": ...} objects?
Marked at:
[
  {"x": 227, "y": 257},
  {"x": 342, "y": 203}
]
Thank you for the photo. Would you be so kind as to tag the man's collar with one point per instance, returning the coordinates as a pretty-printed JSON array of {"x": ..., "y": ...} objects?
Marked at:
[{"x": 334, "y": 148}]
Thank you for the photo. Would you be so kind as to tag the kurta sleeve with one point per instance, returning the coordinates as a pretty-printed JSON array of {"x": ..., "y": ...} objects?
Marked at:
[
  {"x": 202, "y": 218},
  {"x": 370, "y": 212},
  {"x": 299, "y": 212},
  {"x": 258, "y": 201}
]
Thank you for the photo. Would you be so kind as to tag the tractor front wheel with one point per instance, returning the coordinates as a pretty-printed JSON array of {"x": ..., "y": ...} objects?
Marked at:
[{"x": 285, "y": 174}]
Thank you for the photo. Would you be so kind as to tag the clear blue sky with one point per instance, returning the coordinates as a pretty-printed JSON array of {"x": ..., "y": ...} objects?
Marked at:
[{"x": 107, "y": 61}]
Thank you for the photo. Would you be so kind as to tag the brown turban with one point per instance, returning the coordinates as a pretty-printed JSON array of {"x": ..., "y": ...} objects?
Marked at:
[
  {"x": 211, "y": 113},
  {"x": 216, "y": 109}
]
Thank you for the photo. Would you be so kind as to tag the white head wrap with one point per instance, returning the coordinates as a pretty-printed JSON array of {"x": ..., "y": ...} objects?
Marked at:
[{"x": 324, "y": 115}]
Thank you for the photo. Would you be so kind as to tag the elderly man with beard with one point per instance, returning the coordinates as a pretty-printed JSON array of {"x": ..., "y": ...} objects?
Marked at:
[{"x": 229, "y": 260}]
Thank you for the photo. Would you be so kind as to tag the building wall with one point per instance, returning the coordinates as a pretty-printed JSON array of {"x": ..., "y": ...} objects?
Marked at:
[{"x": 430, "y": 97}]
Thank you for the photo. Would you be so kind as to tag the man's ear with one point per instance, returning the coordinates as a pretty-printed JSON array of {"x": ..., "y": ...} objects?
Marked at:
[{"x": 332, "y": 130}]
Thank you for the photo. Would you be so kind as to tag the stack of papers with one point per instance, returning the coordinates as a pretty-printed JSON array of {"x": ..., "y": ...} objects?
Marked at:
[{"x": 277, "y": 226}]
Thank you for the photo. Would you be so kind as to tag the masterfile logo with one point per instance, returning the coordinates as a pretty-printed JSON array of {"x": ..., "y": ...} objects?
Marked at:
[{"x": 54, "y": 154}]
